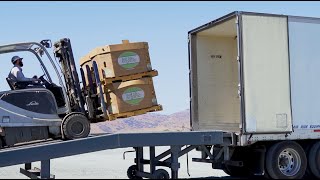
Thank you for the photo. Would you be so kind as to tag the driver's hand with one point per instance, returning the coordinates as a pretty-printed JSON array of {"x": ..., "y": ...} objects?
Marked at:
[{"x": 36, "y": 80}]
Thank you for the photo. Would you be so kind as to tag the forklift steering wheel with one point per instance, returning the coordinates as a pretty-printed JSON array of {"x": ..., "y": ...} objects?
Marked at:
[
  {"x": 44, "y": 81},
  {"x": 41, "y": 77}
]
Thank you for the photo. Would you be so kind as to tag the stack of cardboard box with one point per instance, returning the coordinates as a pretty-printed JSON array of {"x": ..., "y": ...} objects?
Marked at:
[{"x": 125, "y": 73}]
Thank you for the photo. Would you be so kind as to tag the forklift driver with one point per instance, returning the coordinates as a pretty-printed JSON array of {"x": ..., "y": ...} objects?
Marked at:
[{"x": 18, "y": 77}]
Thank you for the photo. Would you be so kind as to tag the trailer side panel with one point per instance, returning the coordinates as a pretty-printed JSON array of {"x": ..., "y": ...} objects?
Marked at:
[{"x": 304, "y": 66}]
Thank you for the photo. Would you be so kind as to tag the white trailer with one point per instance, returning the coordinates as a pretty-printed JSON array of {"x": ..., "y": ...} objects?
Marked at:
[{"x": 257, "y": 75}]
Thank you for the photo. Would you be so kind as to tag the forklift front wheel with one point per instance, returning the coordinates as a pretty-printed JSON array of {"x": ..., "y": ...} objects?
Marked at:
[{"x": 75, "y": 126}]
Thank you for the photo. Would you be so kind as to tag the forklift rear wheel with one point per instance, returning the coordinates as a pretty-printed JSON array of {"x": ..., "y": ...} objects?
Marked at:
[{"x": 76, "y": 126}]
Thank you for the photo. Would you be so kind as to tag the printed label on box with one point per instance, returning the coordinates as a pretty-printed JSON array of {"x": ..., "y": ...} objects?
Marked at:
[
  {"x": 128, "y": 60},
  {"x": 133, "y": 95}
]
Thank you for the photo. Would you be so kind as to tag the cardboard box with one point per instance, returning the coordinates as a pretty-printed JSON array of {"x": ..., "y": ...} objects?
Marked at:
[
  {"x": 119, "y": 59},
  {"x": 130, "y": 95},
  {"x": 86, "y": 61}
]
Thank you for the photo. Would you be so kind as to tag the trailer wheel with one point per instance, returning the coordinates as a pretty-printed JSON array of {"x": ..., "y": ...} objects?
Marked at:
[
  {"x": 161, "y": 174},
  {"x": 286, "y": 160},
  {"x": 75, "y": 126},
  {"x": 131, "y": 172},
  {"x": 308, "y": 174},
  {"x": 314, "y": 160}
]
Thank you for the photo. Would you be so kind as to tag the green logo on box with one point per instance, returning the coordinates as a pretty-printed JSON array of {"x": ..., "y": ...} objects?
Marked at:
[
  {"x": 128, "y": 60},
  {"x": 133, "y": 95}
]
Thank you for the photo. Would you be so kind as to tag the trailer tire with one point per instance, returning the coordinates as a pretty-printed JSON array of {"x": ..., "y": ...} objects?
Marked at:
[
  {"x": 286, "y": 160},
  {"x": 314, "y": 160},
  {"x": 131, "y": 172},
  {"x": 161, "y": 174},
  {"x": 308, "y": 174},
  {"x": 75, "y": 126}
]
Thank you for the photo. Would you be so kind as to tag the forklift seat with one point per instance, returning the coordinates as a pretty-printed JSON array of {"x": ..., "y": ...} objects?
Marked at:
[
  {"x": 10, "y": 83},
  {"x": 17, "y": 85}
]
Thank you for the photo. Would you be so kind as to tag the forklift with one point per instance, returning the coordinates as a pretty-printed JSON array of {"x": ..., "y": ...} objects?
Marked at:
[{"x": 53, "y": 110}]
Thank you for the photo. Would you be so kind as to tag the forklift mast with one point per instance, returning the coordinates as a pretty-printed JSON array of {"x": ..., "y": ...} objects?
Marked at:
[{"x": 63, "y": 51}]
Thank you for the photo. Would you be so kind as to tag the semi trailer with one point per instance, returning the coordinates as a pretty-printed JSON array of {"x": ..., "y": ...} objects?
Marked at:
[
  {"x": 256, "y": 75},
  {"x": 253, "y": 99}
]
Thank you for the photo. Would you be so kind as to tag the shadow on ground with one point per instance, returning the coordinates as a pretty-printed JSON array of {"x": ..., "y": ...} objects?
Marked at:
[{"x": 225, "y": 177}]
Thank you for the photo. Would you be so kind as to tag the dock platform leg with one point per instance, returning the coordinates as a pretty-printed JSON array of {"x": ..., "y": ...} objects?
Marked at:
[
  {"x": 139, "y": 156},
  {"x": 172, "y": 162},
  {"x": 175, "y": 165},
  {"x": 27, "y": 166},
  {"x": 152, "y": 159},
  {"x": 45, "y": 169},
  {"x": 36, "y": 173}
]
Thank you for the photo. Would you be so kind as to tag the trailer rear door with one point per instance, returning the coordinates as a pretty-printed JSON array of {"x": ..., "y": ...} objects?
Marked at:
[{"x": 266, "y": 74}]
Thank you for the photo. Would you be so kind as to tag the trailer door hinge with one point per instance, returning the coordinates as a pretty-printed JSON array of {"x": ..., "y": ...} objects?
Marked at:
[{"x": 239, "y": 90}]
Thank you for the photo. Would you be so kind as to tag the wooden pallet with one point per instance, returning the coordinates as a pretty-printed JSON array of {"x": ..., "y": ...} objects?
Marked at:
[
  {"x": 107, "y": 81},
  {"x": 134, "y": 113}
]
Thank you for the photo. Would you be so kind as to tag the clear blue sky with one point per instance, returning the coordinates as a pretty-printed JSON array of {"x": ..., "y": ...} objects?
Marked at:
[{"x": 164, "y": 25}]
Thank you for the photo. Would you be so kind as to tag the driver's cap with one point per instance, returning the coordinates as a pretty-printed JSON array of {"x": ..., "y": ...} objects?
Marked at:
[{"x": 15, "y": 58}]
